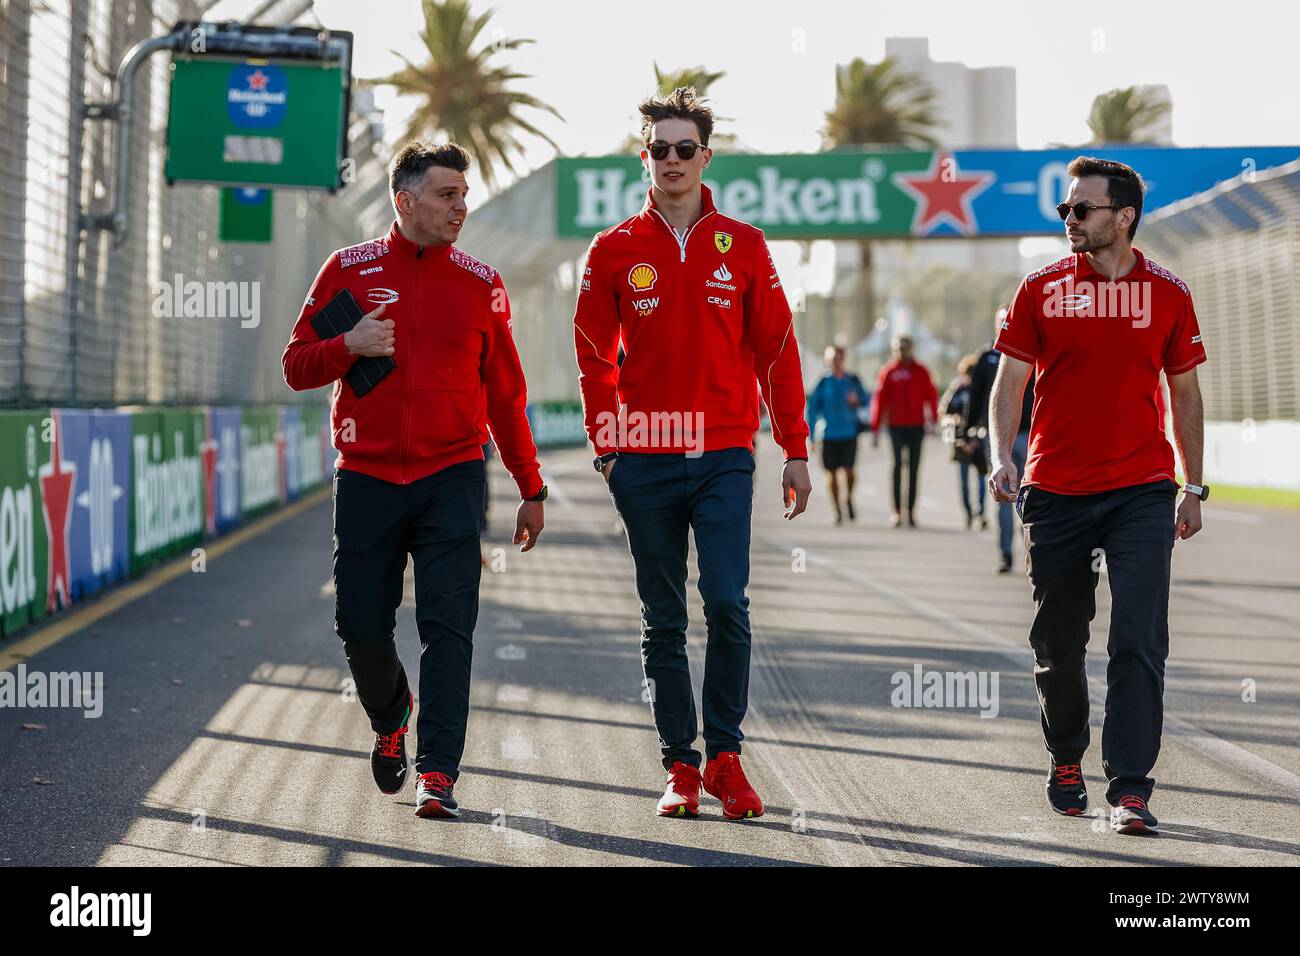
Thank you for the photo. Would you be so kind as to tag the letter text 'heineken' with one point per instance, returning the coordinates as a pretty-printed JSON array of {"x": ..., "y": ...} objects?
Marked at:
[{"x": 851, "y": 194}]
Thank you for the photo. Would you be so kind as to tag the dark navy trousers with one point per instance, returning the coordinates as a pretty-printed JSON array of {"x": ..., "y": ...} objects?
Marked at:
[{"x": 661, "y": 499}]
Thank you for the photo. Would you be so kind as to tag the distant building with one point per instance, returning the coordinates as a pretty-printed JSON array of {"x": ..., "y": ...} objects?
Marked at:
[{"x": 976, "y": 107}]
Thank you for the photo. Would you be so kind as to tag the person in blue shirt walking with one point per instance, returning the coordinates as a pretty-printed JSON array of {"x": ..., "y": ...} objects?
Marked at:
[{"x": 835, "y": 402}]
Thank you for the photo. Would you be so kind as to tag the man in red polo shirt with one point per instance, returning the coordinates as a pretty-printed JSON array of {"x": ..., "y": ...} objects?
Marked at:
[
  {"x": 694, "y": 300},
  {"x": 1097, "y": 328}
]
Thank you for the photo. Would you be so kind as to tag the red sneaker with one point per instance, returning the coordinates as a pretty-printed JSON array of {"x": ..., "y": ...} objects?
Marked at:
[
  {"x": 724, "y": 778},
  {"x": 682, "y": 796}
]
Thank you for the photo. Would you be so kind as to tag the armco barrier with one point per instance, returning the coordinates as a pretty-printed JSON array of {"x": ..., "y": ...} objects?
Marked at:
[
  {"x": 24, "y": 542},
  {"x": 89, "y": 497}
]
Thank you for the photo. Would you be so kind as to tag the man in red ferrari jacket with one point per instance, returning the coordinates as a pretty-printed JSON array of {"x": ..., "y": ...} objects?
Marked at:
[
  {"x": 694, "y": 300},
  {"x": 905, "y": 400},
  {"x": 411, "y": 475}
]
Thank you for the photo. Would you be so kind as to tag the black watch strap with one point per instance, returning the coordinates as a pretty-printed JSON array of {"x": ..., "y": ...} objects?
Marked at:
[{"x": 541, "y": 495}]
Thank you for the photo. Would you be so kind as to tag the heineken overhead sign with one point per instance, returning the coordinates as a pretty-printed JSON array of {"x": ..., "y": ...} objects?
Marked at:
[
  {"x": 257, "y": 123},
  {"x": 899, "y": 194}
]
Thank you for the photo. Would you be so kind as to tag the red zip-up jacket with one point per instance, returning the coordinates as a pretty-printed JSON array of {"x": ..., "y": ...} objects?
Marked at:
[
  {"x": 457, "y": 371},
  {"x": 704, "y": 325},
  {"x": 905, "y": 392}
]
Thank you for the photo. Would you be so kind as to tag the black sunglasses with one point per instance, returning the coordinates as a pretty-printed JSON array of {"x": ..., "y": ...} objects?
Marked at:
[
  {"x": 1081, "y": 210},
  {"x": 685, "y": 149}
]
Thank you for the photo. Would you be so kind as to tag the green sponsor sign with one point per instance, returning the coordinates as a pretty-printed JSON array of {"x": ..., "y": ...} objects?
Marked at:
[
  {"x": 246, "y": 214},
  {"x": 822, "y": 195},
  {"x": 556, "y": 424},
  {"x": 24, "y": 543},
  {"x": 261, "y": 457},
  {"x": 257, "y": 123},
  {"x": 311, "y": 453},
  {"x": 854, "y": 193},
  {"x": 167, "y": 505}
]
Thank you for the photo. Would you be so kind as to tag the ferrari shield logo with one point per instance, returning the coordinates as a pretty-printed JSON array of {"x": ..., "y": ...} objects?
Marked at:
[{"x": 722, "y": 240}]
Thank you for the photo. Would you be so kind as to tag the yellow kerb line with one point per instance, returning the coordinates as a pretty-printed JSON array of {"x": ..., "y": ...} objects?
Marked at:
[{"x": 78, "y": 619}]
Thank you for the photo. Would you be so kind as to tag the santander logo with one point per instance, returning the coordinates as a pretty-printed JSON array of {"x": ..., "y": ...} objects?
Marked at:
[{"x": 723, "y": 276}]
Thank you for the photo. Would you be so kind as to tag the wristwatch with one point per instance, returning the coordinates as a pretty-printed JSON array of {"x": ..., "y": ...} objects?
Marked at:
[
  {"x": 541, "y": 495},
  {"x": 1200, "y": 491},
  {"x": 603, "y": 460}
]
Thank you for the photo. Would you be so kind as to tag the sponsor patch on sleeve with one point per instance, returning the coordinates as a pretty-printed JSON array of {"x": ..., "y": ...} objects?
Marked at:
[
  {"x": 469, "y": 263},
  {"x": 363, "y": 252}
]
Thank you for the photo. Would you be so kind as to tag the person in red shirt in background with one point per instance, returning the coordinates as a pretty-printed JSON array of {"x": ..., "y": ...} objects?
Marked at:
[
  {"x": 907, "y": 402},
  {"x": 1096, "y": 329},
  {"x": 696, "y": 303}
]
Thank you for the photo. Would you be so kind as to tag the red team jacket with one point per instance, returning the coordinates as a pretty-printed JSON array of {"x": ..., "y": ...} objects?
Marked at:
[
  {"x": 1098, "y": 348},
  {"x": 704, "y": 326},
  {"x": 457, "y": 368},
  {"x": 904, "y": 393}
]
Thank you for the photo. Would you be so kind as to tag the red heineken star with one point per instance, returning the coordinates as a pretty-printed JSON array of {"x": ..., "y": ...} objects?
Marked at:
[
  {"x": 208, "y": 454},
  {"x": 57, "y": 478},
  {"x": 943, "y": 194}
]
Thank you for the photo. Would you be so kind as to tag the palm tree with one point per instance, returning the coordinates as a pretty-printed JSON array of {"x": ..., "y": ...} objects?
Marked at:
[
  {"x": 878, "y": 105},
  {"x": 1127, "y": 115},
  {"x": 464, "y": 95}
]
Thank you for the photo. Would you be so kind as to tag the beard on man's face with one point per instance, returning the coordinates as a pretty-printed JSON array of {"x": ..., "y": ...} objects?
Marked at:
[{"x": 1097, "y": 240}]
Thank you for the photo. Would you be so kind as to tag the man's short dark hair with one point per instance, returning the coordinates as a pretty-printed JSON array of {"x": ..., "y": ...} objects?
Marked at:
[
  {"x": 416, "y": 157},
  {"x": 679, "y": 104},
  {"x": 1123, "y": 185}
]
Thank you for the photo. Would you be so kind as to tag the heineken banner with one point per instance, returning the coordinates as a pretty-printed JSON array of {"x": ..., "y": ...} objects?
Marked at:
[
  {"x": 24, "y": 542},
  {"x": 261, "y": 454},
  {"x": 556, "y": 424},
  {"x": 291, "y": 439},
  {"x": 167, "y": 476},
  {"x": 221, "y": 461},
  {"x": 313, "y": 461},
  {"x": 89, "y": 497},
  {"x": 94, "y": 453},
  {"x": 897, "y": 194}
]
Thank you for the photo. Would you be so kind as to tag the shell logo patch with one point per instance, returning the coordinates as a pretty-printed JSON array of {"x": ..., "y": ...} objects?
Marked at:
[
  {"x": 642, "y": 277},
  {"x": 722, "y": 240}
]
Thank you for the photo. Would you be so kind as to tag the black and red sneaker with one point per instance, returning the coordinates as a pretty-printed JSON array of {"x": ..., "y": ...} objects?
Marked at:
[
  {"x": 388, "y": 760},
  {"x": 1066, "y": 792},
  {"x": 433, "y": 796},
  {"x": 1131, "y": 815}
]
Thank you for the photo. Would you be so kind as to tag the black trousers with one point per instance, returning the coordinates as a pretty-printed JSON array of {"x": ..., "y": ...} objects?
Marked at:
[
  {"x": 909, "y": 438},
  {"x": 376, "y": 524},
  {"x": 1066, "y": 537}
]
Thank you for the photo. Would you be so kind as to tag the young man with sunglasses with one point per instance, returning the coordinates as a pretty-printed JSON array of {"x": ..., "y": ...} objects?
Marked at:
[
  {"x": 694, "y": 300},
  {"x": 1097, "y": 328}
]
